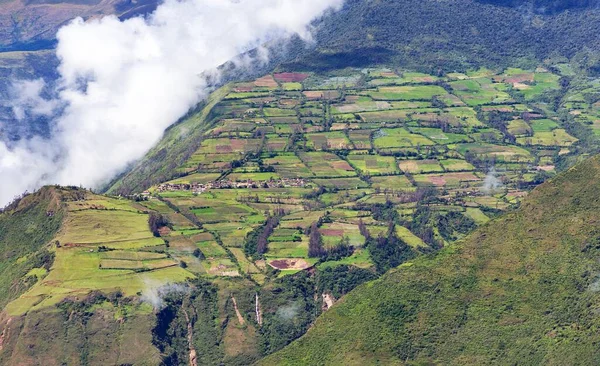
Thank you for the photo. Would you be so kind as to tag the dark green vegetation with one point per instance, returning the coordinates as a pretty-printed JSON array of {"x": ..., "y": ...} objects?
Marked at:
[
  {"x": 524, "y": 287},
  {"x": 545, "y": 6},
  {"x": 25, "y": 229},
  {"x": 99, "y": 329},
  {"x": 451, "y": 35}
]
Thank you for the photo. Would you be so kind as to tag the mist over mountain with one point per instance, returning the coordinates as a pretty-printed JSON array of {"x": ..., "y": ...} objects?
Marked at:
[
  {"x": 299, "y": 182},
  {"x": 109, "y": 70}
]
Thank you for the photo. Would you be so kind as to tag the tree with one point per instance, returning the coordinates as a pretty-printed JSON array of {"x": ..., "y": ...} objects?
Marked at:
[
  {"x": 363, "y": 229},
  {"x": 315, "y": 242},
  {"x": 157, "y": 221},
  {"x": 389, "y": 251},
  {"x": 257, "y": 241},
  {"x": 198, "y": 254}
]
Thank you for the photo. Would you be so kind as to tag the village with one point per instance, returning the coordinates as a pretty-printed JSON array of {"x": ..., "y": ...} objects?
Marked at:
[{"x": 198, "y": 188}]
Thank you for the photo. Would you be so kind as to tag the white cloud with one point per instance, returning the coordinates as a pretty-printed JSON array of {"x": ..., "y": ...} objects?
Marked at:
[
  {"x": 123, "y": 83},
  {"x": 26, "y": 96}
]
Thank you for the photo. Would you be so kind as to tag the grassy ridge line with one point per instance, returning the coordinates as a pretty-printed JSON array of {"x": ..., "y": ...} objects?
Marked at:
[
  {"x": 24, "y": 232},
  {"x": 178, "y": 143},
  {"x": 523, "y": 288}
]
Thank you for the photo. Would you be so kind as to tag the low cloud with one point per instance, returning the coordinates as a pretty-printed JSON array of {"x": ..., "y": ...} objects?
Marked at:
[
  {"x": 491, "y": 183},
  {"x": 122, "y": 83},
  {"x": 288, "y": 312},
  {"x": 155, "y": 293},
  {"x": 26, "y": 99}
]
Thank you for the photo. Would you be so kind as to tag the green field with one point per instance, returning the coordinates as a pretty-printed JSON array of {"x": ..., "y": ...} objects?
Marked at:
[
  {"x": 326, "y": 164},
  {"x": 424, "y": 92},
  {"x": 373, "y": 164},
  {"x": 398, "y": 137}
]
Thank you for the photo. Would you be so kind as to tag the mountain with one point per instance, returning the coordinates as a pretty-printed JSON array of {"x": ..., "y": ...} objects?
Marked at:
[
  {"x": 262, "y": 210},
  {"x": 545, "y": 6},
  {"x": 28, "y": 25},
  {"x": 452, "y": 35},
  {"x": 397, "y": 193},
  {"x": 25, "y": 228},
  {"x": 522, "y": 288}
]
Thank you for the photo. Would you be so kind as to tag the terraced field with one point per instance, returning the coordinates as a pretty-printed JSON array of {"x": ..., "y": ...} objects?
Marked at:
[
  {"x": 312, "y": 149},
  {"x": 356, "y": 170},
  {"x": 293, "y": 189}
]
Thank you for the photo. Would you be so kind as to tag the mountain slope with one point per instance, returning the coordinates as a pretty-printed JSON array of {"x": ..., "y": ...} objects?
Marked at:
[
  {"x": 179, "y": 142},
  {"x": 32, "y": 24},
  {"x": 25, "y": 228},
  {"x": 452, "y": 34},
  {"x": 522, "y": 288}
]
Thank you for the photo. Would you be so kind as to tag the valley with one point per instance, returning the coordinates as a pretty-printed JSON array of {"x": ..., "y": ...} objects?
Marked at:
[
  {"x": 284, "y": 193},
  {"x": 374, "y": 183}
]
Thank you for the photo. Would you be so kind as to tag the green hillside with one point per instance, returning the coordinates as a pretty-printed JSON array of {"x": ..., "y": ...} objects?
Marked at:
[
  {"x": 262, "y": 209},
  {"x": 25, "y": 228},
  {"x": 376, "y": 197},
  {"x": 454, "y": 34},
  {"x": 522, "y": 289},
  {"x": 176, "y": 146}
]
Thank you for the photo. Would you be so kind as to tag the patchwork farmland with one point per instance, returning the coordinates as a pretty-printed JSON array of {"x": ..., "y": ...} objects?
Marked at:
[
  {"x": 297, "y": 159},
  {"x": 294, "y": 152}
]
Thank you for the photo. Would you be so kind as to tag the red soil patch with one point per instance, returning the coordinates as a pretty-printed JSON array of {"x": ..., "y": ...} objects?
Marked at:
[
  {"x": 244, "y": 88},
  {"x": 223, "y": 148},
  {"x": 519, "y": 78},
  {"x": 202, "y": 237},
  {"x": 332, "y": 232},
  {"x": 291, "y": 263},
  {"x": 290, "y": 77},
  {"x": 546, "y": 168},
  {"x": 499, "y": 109},
  {"x": 276, "y": 144},
  {"x": 289, "y": 102},
  {"x": 438, "y": 181},
  {"x": 313, "y": 94},
  {"x": 266, "y": 82},
  {"x": 341, "y": 165},
  {"x": 322, "y": 94},
  {"x": 164, "y": 231},
  {"x": 464, "y": 176},
  {"x": 389, "y": 74},
  {"x": 423, "y": 79},
  {"x": 331, "y": 94}
]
